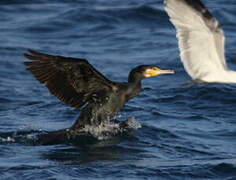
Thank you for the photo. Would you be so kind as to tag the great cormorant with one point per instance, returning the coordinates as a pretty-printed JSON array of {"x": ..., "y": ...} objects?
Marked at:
[{"x": 78, "y": 84}]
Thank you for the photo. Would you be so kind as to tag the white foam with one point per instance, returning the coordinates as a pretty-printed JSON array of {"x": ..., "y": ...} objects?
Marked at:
[{"x": 107, "y": 130}]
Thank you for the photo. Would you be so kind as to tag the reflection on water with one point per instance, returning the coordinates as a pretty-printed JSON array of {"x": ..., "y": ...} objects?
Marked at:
[{"x": 99, "y": 152}]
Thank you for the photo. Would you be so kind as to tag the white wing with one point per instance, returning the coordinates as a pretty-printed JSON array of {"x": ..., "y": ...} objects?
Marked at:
[{"x": 201, "y": 40}]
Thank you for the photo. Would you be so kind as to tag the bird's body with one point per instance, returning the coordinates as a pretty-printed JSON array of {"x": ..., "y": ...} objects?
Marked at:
[
  {"x": 201, "y": 41},
  {"x": 104, "y": 106},
  {"x": 78, "y": 84}
]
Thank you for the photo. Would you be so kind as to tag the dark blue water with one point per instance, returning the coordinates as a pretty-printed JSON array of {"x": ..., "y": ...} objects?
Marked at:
[{"x": 188, "y": 132}]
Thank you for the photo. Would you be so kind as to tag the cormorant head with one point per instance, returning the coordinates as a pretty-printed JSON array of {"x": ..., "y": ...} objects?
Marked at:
[{"x": 146, "y": 71}]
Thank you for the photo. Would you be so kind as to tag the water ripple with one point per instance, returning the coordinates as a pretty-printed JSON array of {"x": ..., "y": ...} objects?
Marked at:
[{"x": 188, "y": 131}]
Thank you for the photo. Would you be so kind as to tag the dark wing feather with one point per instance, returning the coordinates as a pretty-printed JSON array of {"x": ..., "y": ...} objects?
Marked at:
[{"x": 72, "y": 80}]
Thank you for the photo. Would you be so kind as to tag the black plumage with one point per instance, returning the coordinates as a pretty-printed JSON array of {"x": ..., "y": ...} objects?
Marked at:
[{"x": 78, "y": 84}]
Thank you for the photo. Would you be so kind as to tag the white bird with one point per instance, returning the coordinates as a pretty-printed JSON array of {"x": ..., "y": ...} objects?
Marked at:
[{"x": 201, "y": 41}]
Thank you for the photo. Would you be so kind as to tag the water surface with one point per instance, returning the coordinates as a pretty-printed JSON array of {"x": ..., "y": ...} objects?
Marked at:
[{"x": 188, "y": 131}]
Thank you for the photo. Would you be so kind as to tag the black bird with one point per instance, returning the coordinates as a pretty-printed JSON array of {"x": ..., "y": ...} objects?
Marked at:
[{"x": 78, "y": 84}]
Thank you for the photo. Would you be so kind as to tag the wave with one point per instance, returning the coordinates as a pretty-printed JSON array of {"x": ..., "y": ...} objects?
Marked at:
[
  {"x": 97, "y": 19},
  {"x": 85, "y": 135}
]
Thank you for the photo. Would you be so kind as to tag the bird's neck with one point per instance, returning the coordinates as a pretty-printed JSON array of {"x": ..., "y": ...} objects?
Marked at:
[{"x": 134, "y": 87}]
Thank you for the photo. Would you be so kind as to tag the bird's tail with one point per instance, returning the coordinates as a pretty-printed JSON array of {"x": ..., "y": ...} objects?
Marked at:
[
  {"x": 51, "y": 138},
  {"x": 65, "y": 136}
]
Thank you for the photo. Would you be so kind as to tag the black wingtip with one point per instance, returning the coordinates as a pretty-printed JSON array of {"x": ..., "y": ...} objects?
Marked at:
[
  {"x": 32, "y": 51},
  {"x": 25, "y": 55},
  {"x": 200, "y": 7},
  {"x": 27, "y": 63},
  {"x": 35, "y": 55},
  {"x": 28, "y": 56}
]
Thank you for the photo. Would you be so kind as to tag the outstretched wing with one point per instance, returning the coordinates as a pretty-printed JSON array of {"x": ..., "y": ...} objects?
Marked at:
[
  {"x": 201, "y": 40},
  {"x": 73, "y": 80}
]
